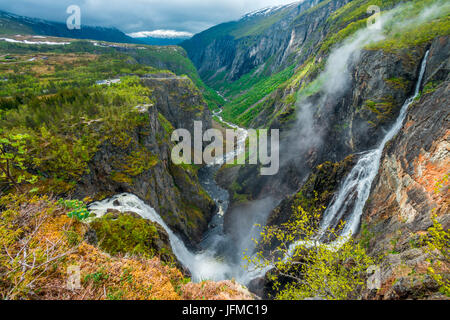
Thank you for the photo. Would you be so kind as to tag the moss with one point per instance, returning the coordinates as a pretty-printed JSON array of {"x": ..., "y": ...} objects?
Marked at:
[
  {"x": 138, "y": 162},
  {"x": 121, "y": 177},
  {"x": 194, "y": 216},
  {"x": 129, "y": 234},
  {"x": 168, "y": 127},
  {"x": 383, "y": 108},
  {"x": 239, "y": 196},
  {"x": 431, "y": 86},
  {"x": 398, "y": 83}
]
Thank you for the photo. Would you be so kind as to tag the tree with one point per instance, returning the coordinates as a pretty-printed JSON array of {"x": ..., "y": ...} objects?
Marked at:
[
  {"x": 13, "y": 154},
  {"x": 326, "y": 266},
  {"x": 436, "y": 245}
]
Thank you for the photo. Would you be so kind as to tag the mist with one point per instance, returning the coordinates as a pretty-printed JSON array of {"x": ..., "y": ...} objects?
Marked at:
[
  {"x": 307, "y": 136},
  {"x": 244, "y": 228}
]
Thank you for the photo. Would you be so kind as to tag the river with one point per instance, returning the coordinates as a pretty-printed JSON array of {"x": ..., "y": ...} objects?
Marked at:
[{"x": 220, "y": 256}]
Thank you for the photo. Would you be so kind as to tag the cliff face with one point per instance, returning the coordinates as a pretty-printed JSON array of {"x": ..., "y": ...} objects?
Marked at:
[
  {"x": 138, "y": 160},
  {"x": 179, "y": 101},
  {"x": 413, "y": 179},
  {"x": 356, "y": 119},
  {"x": 410, "y": 186},
  {"x": 233, "y": 49}
]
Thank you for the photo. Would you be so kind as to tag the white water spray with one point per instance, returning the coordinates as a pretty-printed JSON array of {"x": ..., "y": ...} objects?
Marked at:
[{"x": 202, "y": 265}]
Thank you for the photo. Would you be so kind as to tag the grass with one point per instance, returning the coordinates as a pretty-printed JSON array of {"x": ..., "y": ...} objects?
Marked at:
[{"x": 255, "y": 93}]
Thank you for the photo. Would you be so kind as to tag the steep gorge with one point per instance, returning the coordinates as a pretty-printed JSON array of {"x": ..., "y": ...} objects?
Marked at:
[
  {"x": 338, "y": 91},
  {"x": 372, "y": 86}
]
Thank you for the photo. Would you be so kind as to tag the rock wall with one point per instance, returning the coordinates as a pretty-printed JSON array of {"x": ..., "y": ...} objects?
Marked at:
[
  {"x": 138, "y": 160},
  {"x": 411, "y": 186},
  {"x": 223, "y": 50}
]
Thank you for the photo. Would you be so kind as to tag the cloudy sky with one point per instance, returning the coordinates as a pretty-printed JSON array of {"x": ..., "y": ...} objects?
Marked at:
[{"x": 142, "y": 15}]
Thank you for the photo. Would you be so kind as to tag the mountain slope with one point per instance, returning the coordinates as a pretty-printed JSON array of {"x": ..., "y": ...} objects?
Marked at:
[{"x": 15, "y": 24}]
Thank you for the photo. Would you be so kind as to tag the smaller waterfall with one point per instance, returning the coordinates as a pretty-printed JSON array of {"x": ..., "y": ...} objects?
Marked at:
[
  {"x": 202, "y": 265},
  {"x": 355, "y": 190},
  {"x": 216, "y": 260}
]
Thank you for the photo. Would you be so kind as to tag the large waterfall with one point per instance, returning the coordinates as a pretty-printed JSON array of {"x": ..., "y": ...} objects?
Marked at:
[{"x": 355, "y": 190}]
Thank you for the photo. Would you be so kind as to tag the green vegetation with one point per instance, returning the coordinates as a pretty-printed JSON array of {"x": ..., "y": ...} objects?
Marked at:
[
  {"x": 130, "y": 234},
  {"x": 253, "y": 89},
  {"x": 175, "y": 59},
  {"x": 63, "y": 140},
  {"x": 13, "y": 156},
  {"x": 312, "y": 269},
  {"x": 398, "y": 83},
  {"x": 383, "y": 108},
  {"x": 78, "y": 209},
  {"x": 415, "y": 35},
  {"x": 437, "y": 246},
  {"x": 406, "y": 27},
  {"x": 150, "y": 59}
]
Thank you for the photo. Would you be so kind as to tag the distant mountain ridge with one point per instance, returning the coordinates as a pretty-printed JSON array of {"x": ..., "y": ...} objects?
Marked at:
[
  {"x": 226, "y": 52},
  {"x": 161, "y": 41},
  {"x": 14, "y": 24}
]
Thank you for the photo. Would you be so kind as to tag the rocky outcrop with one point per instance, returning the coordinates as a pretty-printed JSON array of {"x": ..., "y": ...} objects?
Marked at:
[
  {"x": 179, "y": 101},
  {"x": 138, "y": 160},
  {"x": 317, "y": 191},
  {"x": 411, "y": 185},
  {"x": 129, "y": 234}
]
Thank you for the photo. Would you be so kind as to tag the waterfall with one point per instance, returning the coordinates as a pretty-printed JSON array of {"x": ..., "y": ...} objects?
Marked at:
[
  {"x": 355, "y": 190},
  {"x": 202, "y": 265},
  {"x": 217, "y": 259}
]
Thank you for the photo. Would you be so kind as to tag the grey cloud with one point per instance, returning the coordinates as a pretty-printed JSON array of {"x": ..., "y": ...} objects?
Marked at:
[{"x": 142, "y": 15}]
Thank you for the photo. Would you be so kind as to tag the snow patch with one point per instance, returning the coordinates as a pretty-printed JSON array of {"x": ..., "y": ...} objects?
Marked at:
[
  {"x": 35, "y": 42},
  {"x": 166, "y": 34}
]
